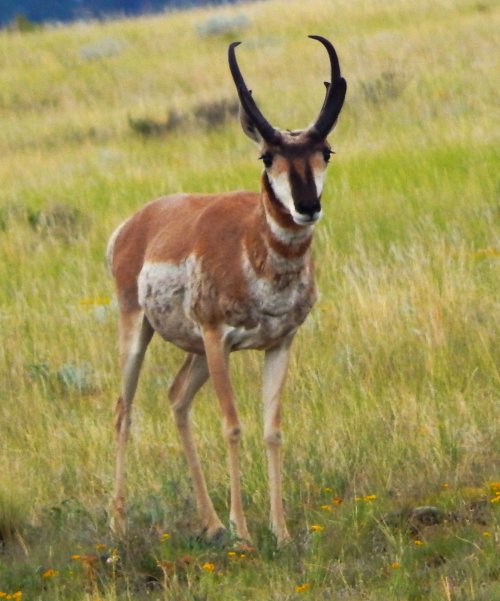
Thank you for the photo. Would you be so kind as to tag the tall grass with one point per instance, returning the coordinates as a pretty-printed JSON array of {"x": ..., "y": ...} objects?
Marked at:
[{"x": 392, "y": 403}]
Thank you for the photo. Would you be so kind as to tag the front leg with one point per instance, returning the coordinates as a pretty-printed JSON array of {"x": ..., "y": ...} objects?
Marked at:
[
  {"x": 275, "y": 368},
  {"x": 218, "y": 366}
]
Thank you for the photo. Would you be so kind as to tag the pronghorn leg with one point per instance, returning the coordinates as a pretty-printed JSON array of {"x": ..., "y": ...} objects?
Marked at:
[
  {"x": 218, "y": 366},
  {"x": 275, "y": 368},
  {"x": 135, "y": 335},
  {"x": 191, "y": 377}
]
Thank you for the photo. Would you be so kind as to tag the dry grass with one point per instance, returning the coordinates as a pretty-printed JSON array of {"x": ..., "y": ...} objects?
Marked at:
[{"x": 394, "y": 383}]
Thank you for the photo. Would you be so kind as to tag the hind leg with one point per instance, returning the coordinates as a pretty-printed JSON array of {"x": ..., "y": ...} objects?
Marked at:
[
  {"x": 135, "y": 335},
  {"x": 191, "y": 377}
]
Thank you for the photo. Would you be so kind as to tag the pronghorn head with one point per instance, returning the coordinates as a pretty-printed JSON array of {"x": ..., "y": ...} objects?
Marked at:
[{"x": 295, "y": 161}]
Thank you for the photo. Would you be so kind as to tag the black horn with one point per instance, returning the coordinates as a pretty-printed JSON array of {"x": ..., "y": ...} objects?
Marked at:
[
  {"x": 335, "y": 94},
  {"x": 270, "y": 134},
  {"x": 334, "y": 59}
]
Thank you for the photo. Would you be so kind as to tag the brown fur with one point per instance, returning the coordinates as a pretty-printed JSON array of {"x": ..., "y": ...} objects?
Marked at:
[{"x": 171, "y": 228}]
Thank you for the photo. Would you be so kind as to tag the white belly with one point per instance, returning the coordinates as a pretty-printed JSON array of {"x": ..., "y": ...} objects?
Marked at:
[
  {"x": 164, "y": 294},
  {"x": 167, "y": 293}
]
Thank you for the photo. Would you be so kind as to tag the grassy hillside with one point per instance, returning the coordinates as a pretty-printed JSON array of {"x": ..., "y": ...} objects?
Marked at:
[{"x": 391, "y": 412}]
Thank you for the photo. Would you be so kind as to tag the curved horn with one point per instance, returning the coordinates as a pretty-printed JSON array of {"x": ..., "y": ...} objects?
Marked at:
[
  {"x": 266, "y": 130},
  {"x": 334, "y": 59},
  {"x": 335, "y": 94}
]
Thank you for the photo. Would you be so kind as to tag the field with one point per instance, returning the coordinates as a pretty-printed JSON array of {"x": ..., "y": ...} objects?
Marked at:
[{"x": 392, "y": 405}]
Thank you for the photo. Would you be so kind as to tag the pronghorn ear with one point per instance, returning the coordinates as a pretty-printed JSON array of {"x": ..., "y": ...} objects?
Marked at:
[{"x": 249, "y": 126}]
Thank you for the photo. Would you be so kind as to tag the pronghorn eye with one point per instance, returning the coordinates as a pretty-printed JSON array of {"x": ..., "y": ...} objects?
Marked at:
[
  {"x": 327, "y": 153},
  {"x": 267, "y": 159}
]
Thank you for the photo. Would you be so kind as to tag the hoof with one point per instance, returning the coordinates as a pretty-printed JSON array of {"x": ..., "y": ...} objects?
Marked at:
[
  {"x": 240, "y": 535},
  {"x": 283, "y": 539},
  {"x": 284, "y": 542},
  {"x": 218, "y": 537},
  {"x": 118, "y": 521},
  {"x": 117, "y": 527}
]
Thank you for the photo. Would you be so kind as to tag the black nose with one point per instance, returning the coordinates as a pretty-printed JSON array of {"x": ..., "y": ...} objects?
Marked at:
[{"x": 308, "y": 208}]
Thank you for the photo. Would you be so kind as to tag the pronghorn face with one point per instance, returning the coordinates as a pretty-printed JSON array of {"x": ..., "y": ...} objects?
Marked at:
[
  {"x": 294, "y": 161},
  {"x": 296, "y": 172}
]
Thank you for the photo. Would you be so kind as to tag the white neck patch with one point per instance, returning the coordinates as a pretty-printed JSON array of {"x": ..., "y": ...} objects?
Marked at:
[{"x": 286, "y": 235}]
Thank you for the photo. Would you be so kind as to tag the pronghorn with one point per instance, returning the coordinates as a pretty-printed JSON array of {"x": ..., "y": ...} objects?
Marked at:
[{"x": 224, "y": 272}]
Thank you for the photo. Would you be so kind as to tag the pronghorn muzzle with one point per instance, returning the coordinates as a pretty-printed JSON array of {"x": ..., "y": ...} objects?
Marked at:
[{"x": 305, "y": 197}]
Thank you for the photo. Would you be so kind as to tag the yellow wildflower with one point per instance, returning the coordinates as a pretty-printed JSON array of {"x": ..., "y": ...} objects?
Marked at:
[
  {"x": 337, "y": 500},
  {"x": 208, "y": 566},
  {"x": 326, "y": 507},
  {"x": 97, "y": 300},
  {"x": 18, "y": 595},
  {"x": 395, "y": 565},
  {"x": 486, "y": 533},
  {"x": 495, "y": 487},
  {"x": 165, "y": 536},
  {"x": 490, "y": 251},
  {"x": 316, "y": 528},
  {"x": 301, "y": 588},
  {"x": 328, "y": 489},
  {"x": 76, "y": 557},
  {"x": 369, "y": 498},
  {"x": 114, "y": 557},
  {"x": 50, "y": 573},
  {"x": 3, "y": 595},
  {"x": 445, "y": 485},
  {"x": 495, "y": 499},
  {"x": 100, "y": 546},
  {"x": 231, "y": 553},
  {"x": 418, "y": 542}
]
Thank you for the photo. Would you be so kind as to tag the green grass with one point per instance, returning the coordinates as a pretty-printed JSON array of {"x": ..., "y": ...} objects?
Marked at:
[{"x": 394, "y": 385}]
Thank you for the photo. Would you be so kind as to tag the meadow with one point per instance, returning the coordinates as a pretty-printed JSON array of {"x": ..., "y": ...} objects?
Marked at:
[{"x": 392, "y": 404}]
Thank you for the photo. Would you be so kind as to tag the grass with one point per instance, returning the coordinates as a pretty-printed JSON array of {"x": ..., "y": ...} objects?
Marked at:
[{"x": 392, "y": 404}]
